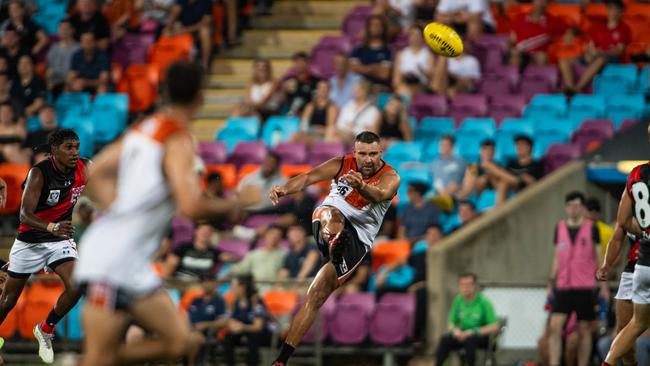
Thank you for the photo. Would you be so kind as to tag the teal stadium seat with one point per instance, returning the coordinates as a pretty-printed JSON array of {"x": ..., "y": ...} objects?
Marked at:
[
  {"x": 621, "y": 107},
  {"x": 279, "y": 129},
  {"x": 585, "y": 106},
  {"x": 72, "y": 321},
  {"x": 545, "y": 105},
  {"x": 110, "y": 112},
  {"x": 544, "y": 139},
  {"x": 67, "y": 101},
  {"x": 468, "y": 144},
  {"x": 517, "y": 126},
  {"x": 432, "y": 128},
  {"x": 562, "y": 125},
  {"x": 249, "y": 124},
  {"x": 486, "y": 126},
  {"x": 486, "y": 200},
  {"x": 402, "y": 152},
  {"x": 233, "y": 136}
]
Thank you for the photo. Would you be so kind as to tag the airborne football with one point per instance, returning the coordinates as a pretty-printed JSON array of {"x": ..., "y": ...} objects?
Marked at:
[{"x": 443, "y": 40}]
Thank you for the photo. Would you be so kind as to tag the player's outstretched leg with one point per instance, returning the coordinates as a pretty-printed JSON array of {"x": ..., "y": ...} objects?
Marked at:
[
  {"x": 626, "y": 339},
  {"x": 624, "y": 309},
  {"x": 44, "y": 332},
  {"x": 104, "y": 330}
]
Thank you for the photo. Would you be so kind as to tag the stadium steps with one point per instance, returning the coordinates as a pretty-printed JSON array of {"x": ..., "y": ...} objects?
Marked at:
[{"x": 296, "y": 25}]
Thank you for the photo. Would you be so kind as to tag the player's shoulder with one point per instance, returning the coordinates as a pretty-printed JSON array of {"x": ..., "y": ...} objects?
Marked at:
[
  {"x": 160, "y": 127},
  {"x": 640, "y": 171}
]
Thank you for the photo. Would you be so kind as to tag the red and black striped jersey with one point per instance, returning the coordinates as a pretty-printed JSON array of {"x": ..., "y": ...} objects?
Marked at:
[
  {"x": 638, "y": 189},
  {"x": 58, "y": 197}
]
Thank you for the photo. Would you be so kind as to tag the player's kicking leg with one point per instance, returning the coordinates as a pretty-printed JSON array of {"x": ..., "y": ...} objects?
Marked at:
[
  {"x": 44, "y": 332},
  {"x": 340, "y": 246},
  {"x": 624, "y": 310}
]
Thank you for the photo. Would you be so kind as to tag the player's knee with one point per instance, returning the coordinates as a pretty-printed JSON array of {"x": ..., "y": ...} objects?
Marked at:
[{"x": 178, "y": 344}]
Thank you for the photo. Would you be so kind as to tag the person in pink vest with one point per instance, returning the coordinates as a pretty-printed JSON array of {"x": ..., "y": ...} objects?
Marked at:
[{"x": 577, "y": 255}]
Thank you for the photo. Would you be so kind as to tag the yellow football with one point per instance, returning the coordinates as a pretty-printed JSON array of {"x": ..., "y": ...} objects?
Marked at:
[{"x": 443, "y": 40}]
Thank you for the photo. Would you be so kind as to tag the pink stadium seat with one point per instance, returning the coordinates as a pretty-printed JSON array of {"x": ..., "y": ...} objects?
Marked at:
[
  {"x": 394, "y": 319},
  {"x": 294, "y": 153},
  {"x": 183, "y": 230},
  {"x": 238, "y": 248},
  {"x": 213, "y": 152},
  {"x": 560, "y": 154},
  {"x": 248, "y": 153},
  {"x": 323, "y": 151},
  {"x": 256, "y": 221},
  {"x": 506, "y": 106},
  {"x": 427, "y": 105},
  {"x": 351, "y": 319},
  {"x": 468, "y": 105},
  {"x": 325, "y": 315}
]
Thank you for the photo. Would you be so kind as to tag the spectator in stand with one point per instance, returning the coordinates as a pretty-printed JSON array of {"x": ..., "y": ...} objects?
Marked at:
[
  {"x": 343, "y": 82},
  {"x": 392, "y": 17},
  {"x": 207, "y": 312},
  {"x": 471, "y": 322},
  {"x": 31, "y": 36},
  {"x": 90, "y": 67},
  {"x": 12, "y": 50},
  {"x": 476, "y": 178},
  {"x": 532, "y": 33},
  {"x": 607, "y": 44},
  {"x": 389, "y": 226},
  {"x": 299, "y": 88},
  {"x": 469, "y": 17},
  {"x": 303, "y": 259},
  {"x": 448, "y": 169},
  {"x": 155, "y": 12},
  {"x": 418, "y": 214},
  {"x": 294, "y": 211},
  {"x": 265, "y": 262},
  {"x": 319, "y": 115},
  {"x": 519, "y": 173},
  {"x": 248, "y": 322},
  {"x": 373, "y": 60},
  {"x": 191, "y": 260},
  {"x": 193, "y": 17},
  {"x": 5, "y": 94},
  {"x": 59, "y": 57},
  {"x": 425, "y": 10},
  {"x": 405, "y": 10},
  {"x": 393, "y": 123},
  {"x": 466, "y": 213},
  {"x": 88, "y": 18},
  {"x": 358, "y": 115},
  {"x": 37, "y": 139},
  {"x": 29, "y": 89},
  {"x": 605, "y": 231},
  {"x": 260, "y": 98},
  {"x": 457, "y": 75},
  {"x": 266, "y": 177},
  {"x": 413, "y": 66},
  {"x": 12, "y": 136}
]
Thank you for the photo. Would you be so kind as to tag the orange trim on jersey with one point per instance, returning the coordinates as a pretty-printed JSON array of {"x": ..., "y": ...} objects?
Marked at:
[
  {"x": 160, "y": 127},
  {"x": 355, "y": 198}
]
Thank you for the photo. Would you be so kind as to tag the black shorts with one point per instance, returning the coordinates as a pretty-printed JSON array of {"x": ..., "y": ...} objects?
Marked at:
[
  {"x": 354, "y": 251},
  {"x": 582, "y": 302},
  {"x": 110, "y": 297}
]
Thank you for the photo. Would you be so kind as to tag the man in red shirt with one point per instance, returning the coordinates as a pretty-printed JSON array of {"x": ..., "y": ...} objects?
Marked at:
[
  {"x": 532, "y": 33},
  {"x": 607, "y": 43}
]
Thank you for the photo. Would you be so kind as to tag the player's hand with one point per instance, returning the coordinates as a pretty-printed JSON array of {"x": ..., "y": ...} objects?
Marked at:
[
  {"x": 250, "y": 196},
  {"x": 63, "y": 229},
  {"x": 276, "y": 193},
  {"x": 354, "y": 179},
  {"x": 602, "y": 273}
]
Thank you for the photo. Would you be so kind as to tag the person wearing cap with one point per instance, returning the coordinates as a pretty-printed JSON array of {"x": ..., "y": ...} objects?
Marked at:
[
  {"x": 207, "y": 312},
  {"x": 593, "y": 213}
]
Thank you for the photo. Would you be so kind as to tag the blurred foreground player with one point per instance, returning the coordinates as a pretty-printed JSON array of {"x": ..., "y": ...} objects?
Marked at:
[
  {"x": 345, "y": 225},
  {"x": 140, "y": 181},
  {"x": 44, "y": 238}
]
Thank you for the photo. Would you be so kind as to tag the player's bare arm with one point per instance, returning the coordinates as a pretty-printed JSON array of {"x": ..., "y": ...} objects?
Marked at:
[
  {"x": 33, "y": 188},
  {"x": 612, "y": 252},
  {"x": 625, "y": 216},
  {"x": 178, "y": 166},
  {"x": 324, "y": 172},
  {"x": 384, "y": 190}
]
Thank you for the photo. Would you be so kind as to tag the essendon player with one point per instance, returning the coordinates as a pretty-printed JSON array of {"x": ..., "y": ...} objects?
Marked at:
[
  {"x": 44, "y": 238},
  {"x": 634, "y": 217},
  {"x": 624, "y": 307},
  {"x": 345, "y": 225}
]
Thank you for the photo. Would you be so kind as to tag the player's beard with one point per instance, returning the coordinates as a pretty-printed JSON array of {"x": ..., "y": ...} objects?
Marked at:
[{"x": 368, "y": 170}]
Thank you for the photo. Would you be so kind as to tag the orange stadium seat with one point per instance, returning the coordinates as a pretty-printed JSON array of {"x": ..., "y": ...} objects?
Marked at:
[
  {"x": 40, "y": 299},
  {"x": 170, "y": 49},
  {"x": 388, "y": 252},
  {"x": 596, "y": 12},
  {"x": 571, "y": 13},
  {"x": 228, "y": 174},
  {"x": 514, "y": 10},
  {"x": 289, "y": 171},
  {"x": 639, "y": 27},
  {"x": 188, "y": 296},
  {"x": 13, "y": 175},
  {"x": 10, "y": 326},
  {"x": 140, "y": 81},
  {"x": 245, "y": 170},
  {"x": 280, "y": 302},
  {"x": 637, "y": 9}
]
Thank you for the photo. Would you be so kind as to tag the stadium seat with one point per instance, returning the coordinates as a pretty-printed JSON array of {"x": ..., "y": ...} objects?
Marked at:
[
  {"x": 33, "y": 124},
  {"x": 506, "y": 106},
  {"x": 320, "y": 329},
  {"x": 431, "y": 128},
  {"x": 233, "y": 136},
  {"x": 517, "y": 126},
  {"x": 382, "y": 99},
  {"x": 351, "y": 318},
  {"x": 468, "y": 144},
  {"x": 11, "y": 323},
  {"x": 140, "y": 82},
  {"x": 546, "y": 104},
  {"x": 464, "y": 106},
  {"x": 14, "y": 175},
  {"x": 388, "y": 252},
  {"x": 418, "y": 173},
  {"x": 228, "y": 174},
  {"x": 255, "y": 221},
  {"x": 493, "y": 85},
  {"x": 621, "y": 107},
  {"x": 39, "y": 301},
  {"x": 249, "y": 124},
  {"x": 486, "y": 126},
  {"x": 212, "y": 152},
  {"x": 426, "y": 105},
  {"x": 109, "y": 114},
  {"x": 544, "y": 139},
  {"x": 570, "y": 13},
  {"x": 323, "y": 151},
  {"x": 504, "y": 146},
  {"x": 280, "y": 302},
  {"x": 583, "y": 137},
  {"x": 279, "y": 129},
  {"x": 431, "y": 151},
  {"x": 586, "y": 102},
  {"x": 486, "y": 200},
  {"x": 548, "y": 73},
  {"x": 393, "y": 321},
  {"x": 188, "y": 296},
  {"x": 322, "y": 55},
  {"x": 289, "y": 170},
  {"x": 68, "y": 101},
  {"x": 169, "y": 49},
  {"x": 49, "y": 16},
  {"x": 291, "y": 152},
  {"x": 355, "y": 21},
  {"x": 600, "y": 124},
  {"x": 627, "y": 124},
  {"x": 643, "y": 81},
  {"x": 531, "y": 87},
  {"x": 595, "y": 12},
  {"x": 182, "y": 230},
  {"x": 609, "y": 85},
  {"x": 401, "y": 151},
  {"x": 132, "y": 48},
  {"x": 560, "y": 154},
  {"x": 561, "y": 125},
  {"x": 625, "y": 72},
  {"x": 245, "y": 170},
  {"x": 237, "y": 248}
]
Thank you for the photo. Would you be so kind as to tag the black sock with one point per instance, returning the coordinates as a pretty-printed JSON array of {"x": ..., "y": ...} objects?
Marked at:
[
  {"x": 285, "y": 352},
  {"x": 52, "y": 318}
]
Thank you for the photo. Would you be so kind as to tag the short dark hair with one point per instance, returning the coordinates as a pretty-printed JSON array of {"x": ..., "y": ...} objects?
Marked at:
[
  {"x": 468, "y": 275},
  {"x": 487, "y": 142},
  {"x": 419, "y": 187},
  {"x": 575, "y": 195},
  {"x": 213, "y": 177},
  {"x": 57, "y": 137},
  {"x": 183, "y": 82},
  {"x": 592, "y": 204},
  {"x": 276, "y": 227},
  {"x": 87, "y": 31},
  {"x": 525, "y": 138},
  {"x": 367, "y": 137},
  {"x": 435, "y": 226},
  {"x": 275, "y": 155},
  {"x": 469, "y": 203},
  {"x": 300, "y": 55},
  {"x": 449, "y": 138},
  {"x": 618, "y": 3}
]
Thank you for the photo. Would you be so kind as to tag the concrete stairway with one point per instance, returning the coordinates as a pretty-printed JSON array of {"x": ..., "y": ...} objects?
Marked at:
[{"x": 296, "y": 25}]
